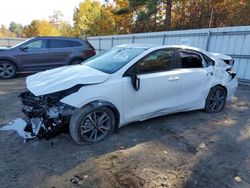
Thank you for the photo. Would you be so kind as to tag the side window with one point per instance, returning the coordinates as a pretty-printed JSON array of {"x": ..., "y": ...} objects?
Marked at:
[
  {"x": 208, "y": 60},
  {"x": 54, "y": 43},
  {"x": 38, "y": 44},
  {"x": 160, "y": 60},
  {"x": 73, "y": 43},
  {"x": 190, "y": 60}
]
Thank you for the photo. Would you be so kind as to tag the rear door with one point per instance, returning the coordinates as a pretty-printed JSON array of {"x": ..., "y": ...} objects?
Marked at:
[
  {"x": 33, "y": 56},
  {"x": 59, "y": 52},
  {"x": 196, "y": 75}
]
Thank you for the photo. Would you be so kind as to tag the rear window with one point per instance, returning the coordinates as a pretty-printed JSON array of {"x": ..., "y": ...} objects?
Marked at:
[
  {"x": 208, "y": 60},
  {"x": 190, "y": 60},
  {"x": 54, "y": 43}
]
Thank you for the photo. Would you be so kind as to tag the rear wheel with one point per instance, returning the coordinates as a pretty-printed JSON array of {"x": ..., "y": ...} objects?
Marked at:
[
  {"x": 216, "y": 100},
  {"x": 92, "y": 125},
  {"x": 7, "y": 70},
  {"x": 76, "y": 61}
]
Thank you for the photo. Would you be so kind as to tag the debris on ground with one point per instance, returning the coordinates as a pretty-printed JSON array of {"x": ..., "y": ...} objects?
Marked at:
[
  {"x": 202, "y": 146},
  {"x": 237, "y": 179}
]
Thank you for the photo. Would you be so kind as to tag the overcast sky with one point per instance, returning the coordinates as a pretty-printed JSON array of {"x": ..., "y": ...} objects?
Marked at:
[{"x": 23, "y": 11}]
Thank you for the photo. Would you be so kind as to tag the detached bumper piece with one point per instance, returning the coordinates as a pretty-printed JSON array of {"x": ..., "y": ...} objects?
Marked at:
[{"x": 47, "y": 116}]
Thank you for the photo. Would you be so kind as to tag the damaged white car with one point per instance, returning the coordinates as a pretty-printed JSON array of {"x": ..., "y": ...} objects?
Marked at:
[{"x": 125, "y": 84}]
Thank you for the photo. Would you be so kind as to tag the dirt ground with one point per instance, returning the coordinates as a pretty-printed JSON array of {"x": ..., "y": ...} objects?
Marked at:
[{"x": 192, "y": 149}]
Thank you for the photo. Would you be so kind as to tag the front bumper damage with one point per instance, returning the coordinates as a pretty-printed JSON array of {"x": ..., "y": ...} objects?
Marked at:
[{"x": 46, "y": 115}]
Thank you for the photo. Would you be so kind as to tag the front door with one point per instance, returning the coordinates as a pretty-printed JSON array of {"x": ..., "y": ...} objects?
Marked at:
[
  {"x": 159, "y": 86},
  {"x": 33, "y": 56}
]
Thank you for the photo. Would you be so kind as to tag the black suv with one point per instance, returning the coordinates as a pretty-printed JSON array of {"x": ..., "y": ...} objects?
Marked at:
[{"x": 42, "y": 53}]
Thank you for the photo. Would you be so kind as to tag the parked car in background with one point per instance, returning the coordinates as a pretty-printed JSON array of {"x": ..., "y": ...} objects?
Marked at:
[
  {"x": 125, "y": 84},
  {"x": 42, "y": 53}
]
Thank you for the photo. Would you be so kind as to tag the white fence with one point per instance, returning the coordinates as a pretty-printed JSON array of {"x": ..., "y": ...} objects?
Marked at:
[
  {"x": 234, "y": 41},
  {"x": 8, "y": 42}
]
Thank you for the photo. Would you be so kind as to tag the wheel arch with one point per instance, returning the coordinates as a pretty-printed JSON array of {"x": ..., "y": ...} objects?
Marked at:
[
  {"x": 75, "y": 58},
  {"x": 12, "y": 61},
  {"x": 224, "y": 87},
  {"x": 102, "y": 103}
]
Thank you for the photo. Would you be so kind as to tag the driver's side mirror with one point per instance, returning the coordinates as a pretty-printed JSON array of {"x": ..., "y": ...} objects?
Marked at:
[
  {"x": 135, "y": 81},
  {"x": 24, "y": 48}
]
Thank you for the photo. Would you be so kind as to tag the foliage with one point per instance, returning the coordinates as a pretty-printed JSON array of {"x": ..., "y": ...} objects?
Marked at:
[
  {"x": 40, "y": 28},
  {"x": 16, "y": 28},
  {"x": 57, "y": 18},
  {"x": 85, "y": 16},
  {"x": 4, "y": 32},
  {"x": 66, "y": 29},
  {"x": 92, "y": 17}
]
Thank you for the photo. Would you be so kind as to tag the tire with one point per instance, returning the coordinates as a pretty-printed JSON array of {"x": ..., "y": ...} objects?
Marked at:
[
  {"x": 7, "y": 70},
  {"x": 76, "y": 61},
  {"x": 86, "y": 127},
  {"x": 216, "y": 100}
]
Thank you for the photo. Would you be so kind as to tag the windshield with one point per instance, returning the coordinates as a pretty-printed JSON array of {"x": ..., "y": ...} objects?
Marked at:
[
  {"x": 114, "y": 59},
  {"x": 20, "y": 43}
]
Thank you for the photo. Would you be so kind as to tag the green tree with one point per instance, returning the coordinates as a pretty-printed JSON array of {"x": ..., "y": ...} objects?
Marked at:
[
  {"x": 85, "y": 16},
  {"x": 16, "y": 28}
]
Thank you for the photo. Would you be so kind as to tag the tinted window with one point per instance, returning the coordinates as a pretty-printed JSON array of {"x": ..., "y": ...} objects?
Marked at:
[
  {"x": 63, "y": 43},
  {"x": 160, "y": 60},
  {"x": 38, "y": 44},
  {"x": 190, "y": 60},
  {"x": 114, "y": 59},
  {"x": 208, "y": 60}
]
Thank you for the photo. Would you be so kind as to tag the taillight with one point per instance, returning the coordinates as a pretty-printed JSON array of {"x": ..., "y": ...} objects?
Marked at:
[
  {"x": 231, "y": 72},
  {"x": 91, "y": 52}
]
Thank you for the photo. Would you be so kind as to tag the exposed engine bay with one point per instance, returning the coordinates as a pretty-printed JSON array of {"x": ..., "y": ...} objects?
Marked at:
[{"x": 47, "y": 116}]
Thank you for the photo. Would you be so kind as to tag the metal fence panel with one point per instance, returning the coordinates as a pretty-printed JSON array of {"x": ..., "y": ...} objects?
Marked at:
[
  {"x": 234, "y": 41},
  {"x": 8, "y": 42}
]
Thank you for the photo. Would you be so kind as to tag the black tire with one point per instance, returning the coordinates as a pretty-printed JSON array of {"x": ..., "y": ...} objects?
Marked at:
[
  {"x": 76, "y": 61},
  {"x": 81, "y": 127},
  {"x": 7, "y": 70},
  {"x": 216, "y": 100}
]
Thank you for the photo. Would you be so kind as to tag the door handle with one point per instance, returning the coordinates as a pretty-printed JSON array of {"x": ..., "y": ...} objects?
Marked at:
[
  {"x": 173, "y": 78},
  {"x": 210, "y": 73}
]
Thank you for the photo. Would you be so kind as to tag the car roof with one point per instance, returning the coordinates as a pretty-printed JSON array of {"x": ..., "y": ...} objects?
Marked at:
[
  {"x": 156, "y": 47},
  {"x": 148, "y": 46},
  {"x": 58, "y": 37},
  {"x": 137, "y": 45}
]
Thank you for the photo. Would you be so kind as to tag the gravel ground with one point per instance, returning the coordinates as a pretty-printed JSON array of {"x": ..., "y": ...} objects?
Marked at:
[{"x": 192, "y": 149}]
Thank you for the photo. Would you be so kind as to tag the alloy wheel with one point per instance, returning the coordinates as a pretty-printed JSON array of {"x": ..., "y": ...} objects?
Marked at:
[
  {"x": 6, "y": 70},
  {"x": 217, "y": 100},
  {"x": 96, "y": 126}
]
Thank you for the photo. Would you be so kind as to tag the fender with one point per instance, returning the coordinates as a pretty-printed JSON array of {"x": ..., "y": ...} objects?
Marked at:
[
  {"x": 101, "y": 103},
  {"x": 75, "y": 57},
  {"x": 6, "y": 58}
]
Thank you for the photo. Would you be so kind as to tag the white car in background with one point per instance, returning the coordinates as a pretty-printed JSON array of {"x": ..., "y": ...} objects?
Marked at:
[{"x": 125, "y": 84}]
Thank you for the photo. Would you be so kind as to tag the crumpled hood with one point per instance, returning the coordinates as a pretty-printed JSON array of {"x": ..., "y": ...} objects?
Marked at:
[{"x": 62, "y": 78}]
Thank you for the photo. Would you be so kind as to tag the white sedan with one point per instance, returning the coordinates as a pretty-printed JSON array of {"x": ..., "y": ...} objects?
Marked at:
[{"x": 125, "y": 84}]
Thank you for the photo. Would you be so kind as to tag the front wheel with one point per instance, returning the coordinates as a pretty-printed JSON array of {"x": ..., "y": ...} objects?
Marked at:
[
  {"x": 216, "y": 100},
  {"x": 91, "y": 124},
  {"x": 7, "y": 70}
]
